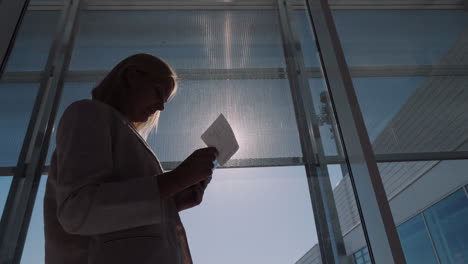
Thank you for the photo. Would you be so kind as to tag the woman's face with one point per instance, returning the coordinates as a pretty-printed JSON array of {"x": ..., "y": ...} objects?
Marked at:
[{"x": 147, "y": 94}]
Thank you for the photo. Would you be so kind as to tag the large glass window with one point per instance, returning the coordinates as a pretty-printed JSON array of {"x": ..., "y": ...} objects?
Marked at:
[
  {"x": 416, "y": 242},
  {"x": 447, "y": 222},
  {"x": 409, "y": 73}
]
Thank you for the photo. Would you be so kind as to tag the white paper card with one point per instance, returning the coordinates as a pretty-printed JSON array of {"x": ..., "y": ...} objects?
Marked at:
[{"x": 221, "y": 136}]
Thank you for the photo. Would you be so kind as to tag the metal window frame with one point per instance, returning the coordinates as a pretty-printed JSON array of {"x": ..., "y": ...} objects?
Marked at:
[
  {"x": 298, "y": 161},
  {"x": 330, "y": 239},
  {"x": 256, "y": 5},
  {"x": 27, "y": 174},
  {"x": 256, "y": 73},
  {"x": 374, "y": 210}
]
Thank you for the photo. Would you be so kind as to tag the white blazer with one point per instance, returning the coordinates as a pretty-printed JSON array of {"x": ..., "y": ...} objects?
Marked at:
[{"x": 102, "y": 202}]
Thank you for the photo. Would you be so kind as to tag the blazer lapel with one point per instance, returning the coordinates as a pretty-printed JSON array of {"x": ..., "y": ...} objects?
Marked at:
[{"x": 145, "y": 144}]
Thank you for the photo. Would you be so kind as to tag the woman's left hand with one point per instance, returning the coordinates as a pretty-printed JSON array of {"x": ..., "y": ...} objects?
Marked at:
[{"x": 192, "y": 196}]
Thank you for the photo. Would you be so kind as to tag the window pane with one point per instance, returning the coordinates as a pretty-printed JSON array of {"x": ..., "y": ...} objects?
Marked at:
[
  {"x": 414, "y": 114},
  {"x": 33, "y": 42},
  {"x": 407, "y": 73},
  {"x": 367, "y": 259},
  {"x": 365, "y": 251},
  {"x": 33, "y": 252},
  {"x": 362, "y": 256},
  {"x": 358, "y": 254},
  {"x": 416, "y": 242},
  {"x": 400, "y": 37},
  {"x": 447, "y": 221},
  {"x": 5, "y": 182},
  {"x": 254, "y": 215},
  {"x": 16, "y": 104}
]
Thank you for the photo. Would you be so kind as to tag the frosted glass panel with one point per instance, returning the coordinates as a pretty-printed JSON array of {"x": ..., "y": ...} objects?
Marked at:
[
  {"x": 260, "y": 112},
  {"x": 186, "y": 39}
]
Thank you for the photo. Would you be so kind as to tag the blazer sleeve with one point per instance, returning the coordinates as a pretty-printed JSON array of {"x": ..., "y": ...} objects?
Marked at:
[{"x": 89, "y": 200}]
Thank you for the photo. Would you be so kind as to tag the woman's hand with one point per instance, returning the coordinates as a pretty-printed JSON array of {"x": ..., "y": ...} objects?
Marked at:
[
  {"x": 191, "y": 197},
  {"x": 197, "y": 168}
]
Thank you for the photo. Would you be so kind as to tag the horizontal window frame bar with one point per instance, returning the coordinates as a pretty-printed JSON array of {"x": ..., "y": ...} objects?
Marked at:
[
  {"x": 409, "y": 157},
  {"x": 256, "y": 73},
  {"x": 298, "y": 161},
  {"x": 246, "y": 5}
]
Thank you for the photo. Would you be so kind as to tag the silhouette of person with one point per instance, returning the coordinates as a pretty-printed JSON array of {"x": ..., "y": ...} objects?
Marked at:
[{"x": 107, "y": 199}]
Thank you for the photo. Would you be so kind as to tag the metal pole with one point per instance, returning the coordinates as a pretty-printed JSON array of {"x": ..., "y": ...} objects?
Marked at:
[
  {"x": 20, "y": 202},
  {"x": 376, "y": 217},
  {"x": 326, "y": 217}
]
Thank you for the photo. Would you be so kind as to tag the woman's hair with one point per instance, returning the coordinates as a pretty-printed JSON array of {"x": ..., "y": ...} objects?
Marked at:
[{"x": 114, "y": 88}]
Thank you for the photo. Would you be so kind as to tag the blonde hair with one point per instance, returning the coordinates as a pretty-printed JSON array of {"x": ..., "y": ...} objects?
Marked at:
[{"x": 113, "y": 89}]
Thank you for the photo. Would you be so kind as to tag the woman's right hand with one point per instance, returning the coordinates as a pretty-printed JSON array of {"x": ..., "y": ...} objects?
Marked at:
[{"x": 195, "y": 168}]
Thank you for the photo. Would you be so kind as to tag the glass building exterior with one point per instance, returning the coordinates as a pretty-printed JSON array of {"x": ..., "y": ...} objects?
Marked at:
[{"x": 351, "y": 117}]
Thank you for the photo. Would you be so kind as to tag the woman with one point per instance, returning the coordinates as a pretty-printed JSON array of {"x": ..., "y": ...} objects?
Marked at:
[{"x": 107, "y": 197}]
